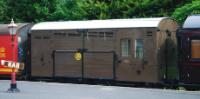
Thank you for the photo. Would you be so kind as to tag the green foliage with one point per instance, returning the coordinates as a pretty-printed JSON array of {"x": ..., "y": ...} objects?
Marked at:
[
  {"x": 68, "y": 10},
  {"x": 80, "y": 10},
  {"x": 41, "y": 10},
  {"x": 2, "y": 9},
  {"x": 54, "y": 10},
  {"x": 120, "y": 8},
  {"x": 182, "y": 12},
  {"x": 95, "y": 9},
  {"x": 153, "y": 8},
  {"x": 27, "y": 10},
  {"x": 14, "y": 10}
]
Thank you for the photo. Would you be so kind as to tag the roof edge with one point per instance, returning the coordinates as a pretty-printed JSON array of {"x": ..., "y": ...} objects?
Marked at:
[{"x": 99, "y": 24}]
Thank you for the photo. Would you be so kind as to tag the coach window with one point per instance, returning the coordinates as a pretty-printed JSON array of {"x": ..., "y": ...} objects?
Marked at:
[
  {"x": 125, "y": 47},
  {"x": 139, "y": 48},
  {"x": 195, "y": 48}
]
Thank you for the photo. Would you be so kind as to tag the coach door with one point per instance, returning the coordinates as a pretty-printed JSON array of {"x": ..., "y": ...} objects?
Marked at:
[
  {"x": 99, "y": 65},
  {"x": 65, "y": 46},
  {"x": 89, "y": 64},
  {"x": 99, "y": 57},
  {"x": 88, "y": 55},
  {"x": 65, "y": 65}
]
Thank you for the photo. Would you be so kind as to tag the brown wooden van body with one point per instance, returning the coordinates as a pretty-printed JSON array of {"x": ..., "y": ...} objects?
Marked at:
[{"x": 142, "y": 53}]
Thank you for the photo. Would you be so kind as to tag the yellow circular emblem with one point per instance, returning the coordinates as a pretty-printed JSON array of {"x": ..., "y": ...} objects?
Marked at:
[{"x": 77, "y": 56}]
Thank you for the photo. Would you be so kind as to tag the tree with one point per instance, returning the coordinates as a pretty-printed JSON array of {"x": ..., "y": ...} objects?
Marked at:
[
  {"x": 2, "y": 10},
  {"x": 53, "y": 10},
  {"x": 16, "y": 9},
  {"x": 121, "y": 8},
  {"x": 29, "y": 10},
  {"x": 42, "y": 10},
  {"x": 95, "y": 9},
  {"x": 68, "y": 10},
  {"x": 153, "y": 8},
  {"x": 81, "y": 10},
  {"x": 182, "y": 12}
]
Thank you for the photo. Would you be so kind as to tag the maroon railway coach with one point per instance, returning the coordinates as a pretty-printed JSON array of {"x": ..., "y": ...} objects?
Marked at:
[
  {"x": 189, "y": 50},
  {"x": 132, "y": 50}
]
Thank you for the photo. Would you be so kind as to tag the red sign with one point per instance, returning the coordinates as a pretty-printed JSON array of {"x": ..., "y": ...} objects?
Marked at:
[{"x": 12, "y": 64}]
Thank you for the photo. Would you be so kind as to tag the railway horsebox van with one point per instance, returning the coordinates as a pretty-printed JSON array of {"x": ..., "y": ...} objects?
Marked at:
[{"x": 130, "y": 50}]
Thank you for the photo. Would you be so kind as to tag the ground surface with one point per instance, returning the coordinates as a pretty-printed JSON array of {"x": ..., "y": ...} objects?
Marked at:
[{"x": 44, "y": 90}]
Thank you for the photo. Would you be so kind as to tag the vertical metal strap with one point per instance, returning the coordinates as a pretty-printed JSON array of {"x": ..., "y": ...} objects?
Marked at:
[{"x": 114, "y": 69}]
